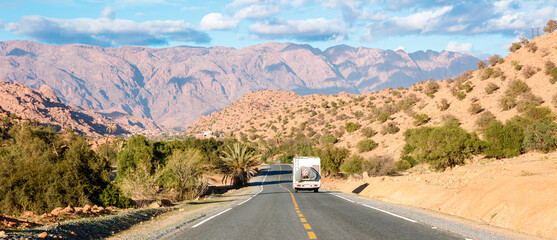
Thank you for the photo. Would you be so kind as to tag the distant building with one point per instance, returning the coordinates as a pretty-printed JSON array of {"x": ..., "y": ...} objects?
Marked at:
[{"x": 205, "y": 135}]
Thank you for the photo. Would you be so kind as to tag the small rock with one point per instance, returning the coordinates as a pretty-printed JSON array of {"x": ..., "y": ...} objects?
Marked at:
[
  {"x": 69, "y": 209},
  {"x": 3, "y": 234},
  {"x": 28, "y": 214},
  {"x": 155, "y": 205},
  {"x": 43, "y": 235},
  {"x": 86, "y": 208}
]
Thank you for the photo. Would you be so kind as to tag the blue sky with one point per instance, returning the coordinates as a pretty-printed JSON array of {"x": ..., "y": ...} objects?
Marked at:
[{"x": 480, "y": 28}]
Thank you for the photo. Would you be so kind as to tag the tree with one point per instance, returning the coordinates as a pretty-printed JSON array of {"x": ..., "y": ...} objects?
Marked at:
[
  {"x": 184, "y": 168},
  {"x": 550, "y": 26},
  {"x": 238, "y": 162},
  {"x": 109, "y": 130}
]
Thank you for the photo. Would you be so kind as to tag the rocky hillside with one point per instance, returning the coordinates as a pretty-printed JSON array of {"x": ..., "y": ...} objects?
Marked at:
[
  {"x": 44, "y": 107},
  {"x": 175, "y": 86},
  {"x": 503, "y": 89}
]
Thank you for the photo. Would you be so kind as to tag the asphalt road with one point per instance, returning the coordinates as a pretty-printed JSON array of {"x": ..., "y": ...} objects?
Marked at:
[{"x": 278, "y": 213}]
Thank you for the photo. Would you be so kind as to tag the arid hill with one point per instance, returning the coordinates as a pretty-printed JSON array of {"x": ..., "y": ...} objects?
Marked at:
[
  {"x": 276, "y": 115},
  {"x": 44, "y": 107},
  {"x": 175, "y": 86}
]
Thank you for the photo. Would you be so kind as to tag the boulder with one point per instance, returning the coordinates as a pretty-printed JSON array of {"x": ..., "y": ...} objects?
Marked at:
[
  {"x": 57, "y": 211},
  {"x": 3, "y": 234},
  {"x": 28, "y": 214},
  {"x": 86, "y": 209},
  {"x": 69, "y": 209},
  {"x": 42, "y": 235},
  {"x": 155, "y": 205}
]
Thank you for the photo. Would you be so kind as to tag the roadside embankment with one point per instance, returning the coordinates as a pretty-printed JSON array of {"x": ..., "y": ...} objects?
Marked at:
[{"x": 517, "y": 194}]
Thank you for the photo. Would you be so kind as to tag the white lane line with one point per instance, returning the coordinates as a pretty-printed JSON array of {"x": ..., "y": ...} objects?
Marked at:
[
  {"x": 342, "y": 197},
  {"x": 390, "y": 213},
  {"x": 260, "y": 190},
  {"x": 196, "y": 225}
]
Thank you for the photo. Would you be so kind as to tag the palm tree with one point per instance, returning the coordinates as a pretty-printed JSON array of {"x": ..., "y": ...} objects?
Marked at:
[{"x": 238, "y": 162}]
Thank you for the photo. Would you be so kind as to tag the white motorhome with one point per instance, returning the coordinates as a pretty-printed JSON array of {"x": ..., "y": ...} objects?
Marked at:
[{"x": 306, "y": 173}]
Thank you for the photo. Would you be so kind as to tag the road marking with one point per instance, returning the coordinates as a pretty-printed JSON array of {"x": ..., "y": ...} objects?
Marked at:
[
  {"x": 259, "y": 190},
  {"x": 390, "y": 213},
  {"x": 342, "y": 197},
  {"x": 245, "y": 201},
  {"x": 311, "y": 235},
  {"x": 196, "y": 225}
]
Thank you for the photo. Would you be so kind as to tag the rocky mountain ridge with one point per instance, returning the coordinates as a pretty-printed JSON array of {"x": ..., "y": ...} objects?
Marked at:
[{"x": 172, "y": 87}]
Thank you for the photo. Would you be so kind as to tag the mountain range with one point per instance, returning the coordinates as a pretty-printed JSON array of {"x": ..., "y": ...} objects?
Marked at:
[{"x": 169, "y": 88}]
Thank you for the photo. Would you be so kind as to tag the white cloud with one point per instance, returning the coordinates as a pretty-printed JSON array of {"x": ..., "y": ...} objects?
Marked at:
[
  {"x": 315, "y": 29},
  {"x": 106, "y": 31},
  {"x": 217, "y": 21},
  {"x": 108, "y": 12},
  {"x": 424, "y": 21},
  {"x": 402, "y": 48},
  {"x": 256, "y": 11},
  {"x": 453, "y": 46}
]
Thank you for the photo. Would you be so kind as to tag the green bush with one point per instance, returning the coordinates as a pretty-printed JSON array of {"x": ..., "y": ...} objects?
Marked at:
[
  {"x": 528, "y": 71},
  {"x": 475, "y": 108},
  {"x": 402, "y": 164},
  {"x": 528, "y": 101},
  {"x": 514, "y": 47},
  {"x": 517, "y": 87},
  {"x": 486, "y": 73},
  {"x": 541, "y": 136},
  {"x": 491, "y": 87},
  {"x": 485, "y": 119},
  {"x": 113, "y": 196},
  {"x": 441, "y": 147},
  {"x": 366, "y": 145},
  {"x": 368, "y": 132},
  {"x": 352, "y": 127},
  {"x": 332, "y": 158},
  {"x": 327, "y": 139},
  {"x": 41, "y": 170},
  {"x": 352, "y": 165},
  {"x": 553, "y": 75},
  {"x": 390, "y": 128},
  {"x": 507, "y": 102},
  {"x": 420, "y": 119},
  {"x": 516, "y": 65},
  {"x": 503, "y": 140},
  {"x": 407, "y": 102},
  {"x": 539, "y": 114}
]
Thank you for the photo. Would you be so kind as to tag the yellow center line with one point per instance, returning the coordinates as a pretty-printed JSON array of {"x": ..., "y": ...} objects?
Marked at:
[{"x": 311, "y": 235}]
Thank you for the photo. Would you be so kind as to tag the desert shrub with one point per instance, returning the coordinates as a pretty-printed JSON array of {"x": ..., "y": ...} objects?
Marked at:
[
  {"x": 384, "y": 113},
  {"x": 475, "y": 108},
  {"x": 450, "y": 120},
  {"x": 358, "y": 114},
  {"x": 486, "y": 73},
  {"x": 492, "y": 60},
  {"x": 40, "y": 169},
  {"x": 443, "y": 104},
  {"x": 550, "y": 26},
  {"x": 389, "y": 128},
  {"x": 113, "y": 196},
  {"x": 548, "y": 65},
  {"x": 507, "y": 102},
  {"x": 528, "y": 71},
  {"x": 528, "y": 101},
  {"x": 491, "y": 87},
  {"x": 516, "y": 65},
  {"x": 420, "y": 119},
  {"x": 553, "y": 75},
  {"x": 441, "y": 147},
  {"x": 352, "y": 165},
  {"x": 541, "y": 136},
  {"x": 379, "y": 166},
  {"x": 407, "y": 102},
  {"x": 327, "y": 139},
  {"x": 538, "y": 114},
  {"x": 460, "y": 95},
  {"x": 485, "y": 119},
  {"x": 503, "y": 140},
  {"x": 184, "y": 175},
  {"x": 554, "y": 100},
  {"x": 402, "y": 164},
  {"x": 501, "y": 61},
  {"x": 431, "y": 88},
  {"x": 368, "y": 132},
  {"x": 332, "y": 158},
  {"x": 480, "y": 65},
  {"x": 366, "y": 145},
  {"x": 352, "y": 127},
  {"x": 532, "y": 47},
  {"x": 514, "y": 47},
  {"x": 516, "y": 88},
  {"x": 467, "y": 87}
]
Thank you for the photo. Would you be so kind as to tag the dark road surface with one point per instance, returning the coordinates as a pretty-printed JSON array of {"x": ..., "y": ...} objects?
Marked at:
[{"x": 279, "y": 213}]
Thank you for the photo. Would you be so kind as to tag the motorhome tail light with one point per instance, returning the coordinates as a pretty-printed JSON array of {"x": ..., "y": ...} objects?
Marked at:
[
  {"x": 316, "y": 185},
  {"x": 298, "y": 185}
]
